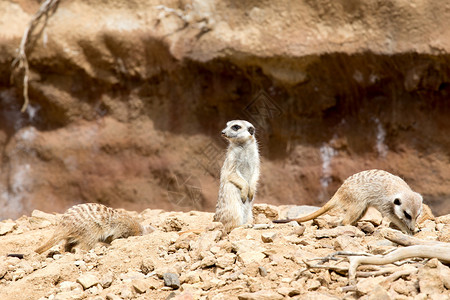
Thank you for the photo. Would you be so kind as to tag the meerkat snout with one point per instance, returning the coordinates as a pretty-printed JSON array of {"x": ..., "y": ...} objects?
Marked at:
[
  {"x": 407, "y": 208},
  {"x": 240, "y": 132}
]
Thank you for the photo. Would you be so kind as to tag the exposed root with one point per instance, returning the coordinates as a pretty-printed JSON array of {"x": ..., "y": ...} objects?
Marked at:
[
  {"x": 417, "y": 249},
  {"x": 21, "y": 61},
  {"x": 332, "y": 256},
  {"x": 425, "y": 251},
  {"x": 407, "y": 240}
]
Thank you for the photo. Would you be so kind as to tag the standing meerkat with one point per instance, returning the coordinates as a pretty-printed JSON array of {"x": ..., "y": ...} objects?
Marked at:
[
  {"x": 84, "y": 225},
  {"x": 238, "y": 176},
  {"x": 388, "y": 193}
]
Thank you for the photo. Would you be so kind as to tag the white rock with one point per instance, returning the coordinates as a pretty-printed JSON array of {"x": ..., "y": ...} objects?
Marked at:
[
  {"x": 107, "y": 279},
  {"x": 348, "y": 243},
  {"x": 67, "y": 286},
  {"x": 111, "y": 296},
  {"x": 139, "y": 285},
  {"x": 251, "y": 256},
  {"x": 88, "y": 280},
  {"x": 366, "y": 285},
  {"x": 338, "y": 231},
  {"x": 288, "y": 291},
  {"x": 261, "y": 295},
  {"x": 226, "y": 260},
  {"x": 130, "y": 276},
  {"x": 262, "y": 226},
  {"x": 208, "y": 261},
  {"x": 7, "y": 227},
  {"x": 312, "y": 284}
]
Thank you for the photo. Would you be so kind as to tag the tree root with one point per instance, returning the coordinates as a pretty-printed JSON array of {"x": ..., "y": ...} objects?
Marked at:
[
  {"x": 425, "y": 251},
  {"x": 406, "y": 240},
  {"x": 21, "y": 61},
  {"x": 416, "y": 248}
]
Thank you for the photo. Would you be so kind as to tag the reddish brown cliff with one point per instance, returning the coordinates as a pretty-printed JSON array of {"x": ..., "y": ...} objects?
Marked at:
[{"x": 127, "y": 99}]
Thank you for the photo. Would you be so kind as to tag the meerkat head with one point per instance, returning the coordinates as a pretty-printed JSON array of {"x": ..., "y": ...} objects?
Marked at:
[
  {"x": 407, "y": 207},
  {"x": 239, "y": 131}
]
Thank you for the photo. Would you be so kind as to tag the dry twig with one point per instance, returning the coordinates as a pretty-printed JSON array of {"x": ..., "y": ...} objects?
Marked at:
[{"x": 21, "y": 60}]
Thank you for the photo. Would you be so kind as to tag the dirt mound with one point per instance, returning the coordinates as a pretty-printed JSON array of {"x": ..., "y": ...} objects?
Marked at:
[{"x": 263, "y": 262}]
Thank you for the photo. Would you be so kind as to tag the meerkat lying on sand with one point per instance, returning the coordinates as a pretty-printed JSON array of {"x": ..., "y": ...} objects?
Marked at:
[{"x": 85, "y": 225}]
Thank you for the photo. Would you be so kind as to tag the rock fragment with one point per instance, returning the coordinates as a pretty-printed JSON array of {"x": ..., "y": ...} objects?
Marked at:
[
  {"x": 251, "y": 256},
  {"x": 171, "y": 280},
  {"x": 339, "y": 231},
  {"x": 261, "y": 295},
  {"x": 147, "y": 265},
  {"x": 7, "y": 227},
  {"x": 270, "y": 211},
  {"x": 88, "y": 280},
  {"x": 262, "y": 271},
  {"x": 268, "y": 237},
  {"x": 107, "y": 279},
  {"x": 379, "y": 293},
  {"x": 139, "y": 285},
  {"x": 433, "y": 277},
  {"x": 373, "y": 216},
  {"x": 111, "y": 296}
]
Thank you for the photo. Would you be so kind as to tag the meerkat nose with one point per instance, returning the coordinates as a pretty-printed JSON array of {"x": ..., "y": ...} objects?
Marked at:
[{"x": 223, "y": 132}]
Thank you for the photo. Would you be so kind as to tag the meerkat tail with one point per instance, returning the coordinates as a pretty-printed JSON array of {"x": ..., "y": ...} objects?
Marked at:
[
  {"x": 311, "y": 216},
  {"x": 53, "y": 241}
]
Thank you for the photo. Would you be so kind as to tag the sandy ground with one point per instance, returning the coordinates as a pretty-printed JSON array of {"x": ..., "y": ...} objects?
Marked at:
[{"x": 263, "y": 262}]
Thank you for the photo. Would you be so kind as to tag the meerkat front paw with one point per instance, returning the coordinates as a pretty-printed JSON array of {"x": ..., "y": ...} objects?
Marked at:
[
  {"x": 244, "y": 194},
  {"x": 251, "y": 194}
]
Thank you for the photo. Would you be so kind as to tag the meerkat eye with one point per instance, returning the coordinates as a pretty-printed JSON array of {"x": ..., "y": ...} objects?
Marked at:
[
  {"x": 397, "y": 201},
  {"x": 408, "y": 216},
  {"x": 235, "y": 127}
]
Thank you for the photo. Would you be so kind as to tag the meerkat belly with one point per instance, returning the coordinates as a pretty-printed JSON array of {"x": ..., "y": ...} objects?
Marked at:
[{"x": 245, "y": 170}]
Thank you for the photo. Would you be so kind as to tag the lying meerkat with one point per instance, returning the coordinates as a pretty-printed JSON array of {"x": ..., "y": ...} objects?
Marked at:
[
  {"x": 85, "y": 225},
  {"x": 238, "y": 176},
  {"x": 388, "y": 193}
]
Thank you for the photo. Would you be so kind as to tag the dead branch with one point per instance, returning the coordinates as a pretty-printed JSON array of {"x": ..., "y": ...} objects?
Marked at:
[
  {"x": 401, "y": 273},
  {"x": 329, "y": 267},
  {"x": 21, "y": 58},
  {"x": 425, "y": 251},
  {"x": 376, "y": 273},
  {"x": 332, "y": 256},
  {"x": 406, "y": 240}
]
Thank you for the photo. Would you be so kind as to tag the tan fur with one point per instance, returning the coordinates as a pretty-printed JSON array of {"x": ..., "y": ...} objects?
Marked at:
[
  {"x": 388, "y": 193},
  {"x": 239, "y": 176},
  {"x": 85, "y": 225}
]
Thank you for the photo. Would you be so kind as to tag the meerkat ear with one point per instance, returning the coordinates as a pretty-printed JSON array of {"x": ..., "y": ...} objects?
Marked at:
[{"x": 251, "y": 130}]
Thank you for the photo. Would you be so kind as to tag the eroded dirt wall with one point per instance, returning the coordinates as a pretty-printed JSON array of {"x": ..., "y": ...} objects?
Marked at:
[{"x": 127, "y": 101}]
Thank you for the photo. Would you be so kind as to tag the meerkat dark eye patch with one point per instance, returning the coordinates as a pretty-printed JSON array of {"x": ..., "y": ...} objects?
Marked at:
[
  {"x": 397, "y": 201},
  {"x": 408, "y": 216},
  {"x": 235, "y": 127},
  {"x": 251, "y": 130}
]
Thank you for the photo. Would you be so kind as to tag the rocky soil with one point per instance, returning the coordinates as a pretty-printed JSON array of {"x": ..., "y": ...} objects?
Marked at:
[
  {"x": 128, "y": 98},
  {"x": 261, "y": 262}
]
